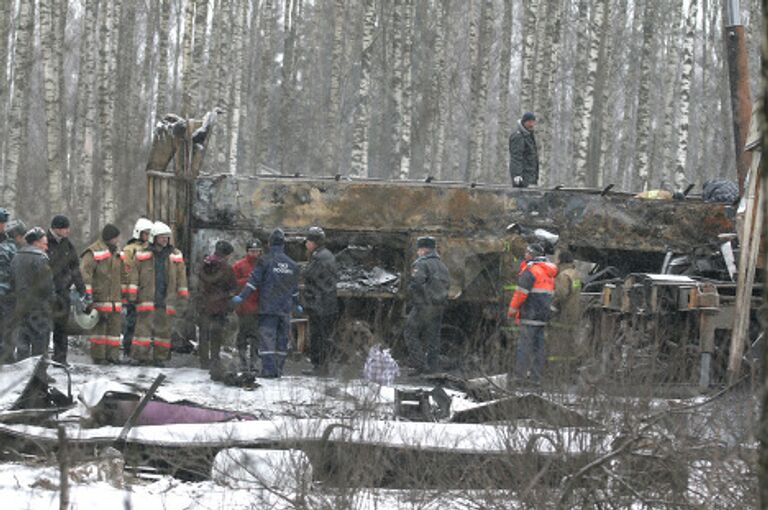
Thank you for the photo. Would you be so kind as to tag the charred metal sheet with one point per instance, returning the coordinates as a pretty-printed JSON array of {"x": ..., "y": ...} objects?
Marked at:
[
  {"x": 526, "y": 407},
  {"x": 582, "y": 218}
]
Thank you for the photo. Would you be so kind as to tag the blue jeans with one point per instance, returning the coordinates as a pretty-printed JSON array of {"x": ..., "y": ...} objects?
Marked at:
[
  {"x": 273, "y": 343},
  {"x": 530, "y": 353}
]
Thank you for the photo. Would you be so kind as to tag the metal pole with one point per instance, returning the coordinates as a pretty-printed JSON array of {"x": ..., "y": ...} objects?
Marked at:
[{"x": 738, "y": 77}]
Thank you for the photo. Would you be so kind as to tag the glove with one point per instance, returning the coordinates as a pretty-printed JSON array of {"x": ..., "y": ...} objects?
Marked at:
[
  {"x": 237, "y": 300},
  {"x": 299, "y": 309},
  {"x": 517, "y": 181}
]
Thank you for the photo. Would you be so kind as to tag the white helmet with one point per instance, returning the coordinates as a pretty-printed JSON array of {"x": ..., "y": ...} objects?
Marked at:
[
  {"x": 159, "y": 229},
  {"x": 142, "y": 224}
]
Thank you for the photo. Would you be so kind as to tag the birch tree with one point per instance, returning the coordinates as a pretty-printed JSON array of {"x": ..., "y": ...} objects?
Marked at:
[
  {"x": 478, "y": 89},
  {"x": 505, "y": 122},
  {"x": 107, "y": 54},
  {"x": 17, "y": 136},
  {"x": 359, "y": 164},
  {"x": 163, "y": 36},
  {"x": 530, "y": 9},
  {"x": 643, "y": 130},
  {"x": 288, "y": 82},
  {"x": 439, "y": 88},
  {"x": 685, "y": 95},
  {"x": 51, "y": 47},
  {"x": 406, "y": 92},
  {"x": 238, "y": 35}
]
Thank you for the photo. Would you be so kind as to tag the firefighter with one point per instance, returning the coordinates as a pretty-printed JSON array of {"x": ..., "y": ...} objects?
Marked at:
[
  {"x": 320, "y": 301},
  {"x": 32, "y": 284},
  {"x": 139, "y": 241},
  {"x": 65, "y": 265},
  {"x": 428, "y": 294},
  {"x": 276, "y": 277},
  {"x": 101, "y": 266},
  {"x": 158, "y": 287},
  {"x": 8, "y": 250},
  {"x": 531, "y": 308},
  {"x": 247, "y": 311}
]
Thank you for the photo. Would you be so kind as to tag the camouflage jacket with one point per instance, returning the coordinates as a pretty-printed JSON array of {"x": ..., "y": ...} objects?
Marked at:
[
  {"x": 8, "y": 250},
  {"x": 101, "y": 273}
]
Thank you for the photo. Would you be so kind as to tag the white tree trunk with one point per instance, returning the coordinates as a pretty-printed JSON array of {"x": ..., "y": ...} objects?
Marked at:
[
  {"x": 643, "y": 130},
  {"x": 238, "y": 51},
  {"x": 505, "y": 121},
  {"x": 440, "y": 89},
  {"x": 359, "y": 164},
  {"x": 479, "y": 92},
  {"x": 17, "y": 136},
  {"x": 531, "y": 8},
  {"x": 333, "y": 126},
  {"x": 683, "y": 127},
  {"x": 406, "y": 113},
  {"x": 51, "y": 47},
  {"x": 108, "y": 46}
]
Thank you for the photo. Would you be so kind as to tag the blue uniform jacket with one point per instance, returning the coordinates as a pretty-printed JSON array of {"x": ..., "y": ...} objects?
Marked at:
[{"x": 276, "y": 276}]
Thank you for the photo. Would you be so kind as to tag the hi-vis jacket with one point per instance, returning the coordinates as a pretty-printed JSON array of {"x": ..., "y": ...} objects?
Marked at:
[
  {"x": 101, "y": 274},
  {"x": 129, "y": 260},
  {"x": 141, "y": 286},
  {"x": 531, "y": 303}
]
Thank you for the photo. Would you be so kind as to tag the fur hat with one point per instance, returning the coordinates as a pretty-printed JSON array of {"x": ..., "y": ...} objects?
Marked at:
[
  {"x": 426, "y": 242},
  {"x": 34, "y": 234}
]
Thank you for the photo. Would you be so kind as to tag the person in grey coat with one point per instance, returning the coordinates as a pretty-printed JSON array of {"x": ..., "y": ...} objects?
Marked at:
[
  {"x": 320, "y": 301},
  {"x": 32, "y": 283},
  {"x": 523, "y": 153},
  {"x": 428, "y": 294}
]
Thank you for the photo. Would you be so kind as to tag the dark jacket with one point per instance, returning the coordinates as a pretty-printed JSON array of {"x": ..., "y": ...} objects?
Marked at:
[
  {"x": 217, "y": 285},
  {"x": 276, "y": 277},
  {"x": 531, "y": 303},
  {"x": 65, "y": 265},
  {"x": 320, "y": 278},
  {"x": 430, "y": 281},
  {"x": 31, "y": 278},
  {"x": 523, "y": 156}
]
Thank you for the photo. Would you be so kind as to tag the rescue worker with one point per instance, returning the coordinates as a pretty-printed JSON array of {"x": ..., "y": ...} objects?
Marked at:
[
  {"x": 65, "y": 266},
  {"x": 217, "y": 284},
  {"x": 523, "y": 153},
  {"x": 320, "y": 302},
  {"x": 8, "y": 248},
  {"x": 158, "y": 287},
  {"x": 531, "y": 307},
  {"x": 4, "y": 217},
  {"x": 101, "y": 267},
  {"x": 32, "y": 283},
  {"x": 276, "y": 277},
  {"x": 428, "y": 294},
  {"x": 567, "y": 292},
  {"x": 139, "y": 241},
  {"x": 247, "y": 311}
]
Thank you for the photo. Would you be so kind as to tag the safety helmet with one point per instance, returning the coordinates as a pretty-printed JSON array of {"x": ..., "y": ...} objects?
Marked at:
[
  {"x": 86, "y": 321},
  {"x": 142, "y": 224},
  {"x": 159, "y": 229}
]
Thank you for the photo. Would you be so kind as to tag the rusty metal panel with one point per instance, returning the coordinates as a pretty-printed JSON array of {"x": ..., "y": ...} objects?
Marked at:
[{"x": 583, "y": 218}]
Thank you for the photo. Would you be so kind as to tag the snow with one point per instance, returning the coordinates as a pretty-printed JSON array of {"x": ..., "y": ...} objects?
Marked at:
[{"x": 37, "y": 488}]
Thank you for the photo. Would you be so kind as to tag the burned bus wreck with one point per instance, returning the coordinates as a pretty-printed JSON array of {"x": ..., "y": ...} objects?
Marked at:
[{"x": 481, "y": 231}]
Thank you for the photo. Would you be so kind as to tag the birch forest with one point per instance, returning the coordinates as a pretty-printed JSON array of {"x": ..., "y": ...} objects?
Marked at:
[{"x": 627, "y": 92}]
